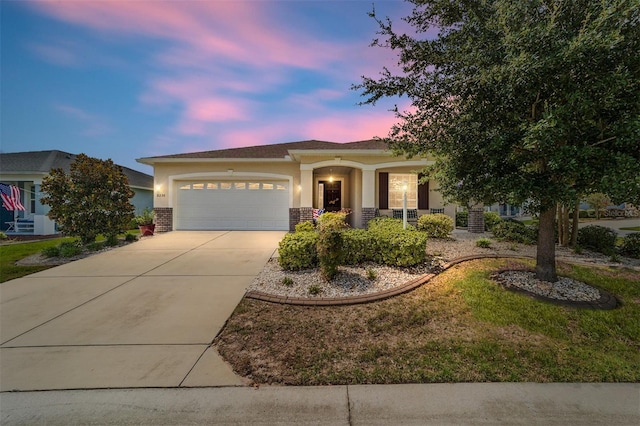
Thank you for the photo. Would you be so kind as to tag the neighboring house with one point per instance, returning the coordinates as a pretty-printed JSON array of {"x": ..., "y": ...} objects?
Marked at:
[
  {"x": 26, "y": 170},
  {"x": 274, "y": 187}
]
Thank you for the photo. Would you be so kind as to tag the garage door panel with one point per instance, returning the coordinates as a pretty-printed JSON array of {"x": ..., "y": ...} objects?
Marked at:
[{"x": 245, "y": 205}]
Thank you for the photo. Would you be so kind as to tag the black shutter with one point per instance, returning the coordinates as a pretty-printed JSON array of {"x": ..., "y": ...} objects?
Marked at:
[
  {"x": 383, "y": 190},
  {"x": 423, "y": 195}
]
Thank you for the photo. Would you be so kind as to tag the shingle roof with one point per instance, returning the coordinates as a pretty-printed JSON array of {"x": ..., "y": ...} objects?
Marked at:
[
  {"x": 281, "y": 149},
  {"x": 44, "y": 161}
]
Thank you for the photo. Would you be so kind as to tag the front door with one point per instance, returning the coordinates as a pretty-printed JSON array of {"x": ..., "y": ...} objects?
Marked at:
[{"x": 332, "y": 196}]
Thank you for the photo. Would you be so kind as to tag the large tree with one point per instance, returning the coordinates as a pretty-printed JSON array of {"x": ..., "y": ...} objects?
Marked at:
[
  {"x": 520, "y": 101},
  {"x": 92, "y": 199}
]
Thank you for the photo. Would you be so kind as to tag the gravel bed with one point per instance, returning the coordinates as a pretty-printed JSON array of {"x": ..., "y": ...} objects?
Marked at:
[
  {"x": 563, "y": 289},
  {"x": 350, "y": 280},
  {"x": 354, "y": 280}
]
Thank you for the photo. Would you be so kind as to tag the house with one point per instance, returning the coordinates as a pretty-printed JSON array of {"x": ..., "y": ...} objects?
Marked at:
[
  {"x": 26, "y": 171},
  {"x": 274, "y": 187}
]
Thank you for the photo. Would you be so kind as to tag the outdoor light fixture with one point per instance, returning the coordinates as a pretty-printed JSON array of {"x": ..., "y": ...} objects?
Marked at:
[{"x": 330, "y": 175}]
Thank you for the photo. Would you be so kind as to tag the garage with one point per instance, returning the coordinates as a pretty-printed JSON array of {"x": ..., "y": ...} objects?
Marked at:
[{"x": 232, "y": 205}]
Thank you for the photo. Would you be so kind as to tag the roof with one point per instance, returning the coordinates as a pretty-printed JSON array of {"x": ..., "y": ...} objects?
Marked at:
[
  {"x": 279, "y": 150},
  {"x": 43, "y": 161}
]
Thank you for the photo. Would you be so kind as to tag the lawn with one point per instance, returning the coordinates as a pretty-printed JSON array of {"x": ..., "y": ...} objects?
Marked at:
[
  {"x": 631, "y": 228},
  {"x": 11, "y": 253},
  {"x": 459, "y": 327}
]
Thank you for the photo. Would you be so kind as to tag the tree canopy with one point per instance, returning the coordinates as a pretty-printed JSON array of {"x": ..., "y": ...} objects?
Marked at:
[
  {"x": 92, "y": 199},
  {"x": 535, "y": 101}
]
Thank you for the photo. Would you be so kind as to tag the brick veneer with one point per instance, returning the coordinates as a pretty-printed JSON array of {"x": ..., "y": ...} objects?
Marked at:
[
  {"x": 368, "y": 213},
  {"x": 298, "y": 215},
  {"x": 164, "y": 219},
  {"x": 476, "y": 220}
]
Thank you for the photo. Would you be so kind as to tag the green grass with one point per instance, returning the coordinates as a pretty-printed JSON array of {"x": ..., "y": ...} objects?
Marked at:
[
  {"x": 11, "y": 253},
  {"x": 631, "y": 228},
  {"x": 460, "y": 327}
]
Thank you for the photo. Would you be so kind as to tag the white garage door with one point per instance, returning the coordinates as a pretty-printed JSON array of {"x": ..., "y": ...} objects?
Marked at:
[{"x": 235, "y": 205}]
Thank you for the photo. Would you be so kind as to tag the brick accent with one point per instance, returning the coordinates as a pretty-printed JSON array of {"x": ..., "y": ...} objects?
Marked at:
[
  {"x": 164, "y": 219},
  {"x": 298, "y": 215},
  {"x": 294, "y": 218},
  {"x": 368, "y": 213},
  {"x": 476, "y": 220}
]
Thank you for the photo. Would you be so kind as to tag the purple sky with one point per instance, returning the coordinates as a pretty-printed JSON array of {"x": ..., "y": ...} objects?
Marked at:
[{"x": 130, "y": 79}]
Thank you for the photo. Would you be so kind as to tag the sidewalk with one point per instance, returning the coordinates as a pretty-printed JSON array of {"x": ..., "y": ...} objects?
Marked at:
[{"x": 434, "y": 404}]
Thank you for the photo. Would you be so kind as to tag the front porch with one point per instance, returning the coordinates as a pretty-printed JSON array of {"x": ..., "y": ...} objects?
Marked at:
[{"x": 366, "y": 190}]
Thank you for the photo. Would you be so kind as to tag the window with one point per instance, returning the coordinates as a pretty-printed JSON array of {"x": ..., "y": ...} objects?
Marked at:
[
  {"x": 187, "y": 186},
  {"x": 212, "y": 185},
  {"x": 240, "y": 185},
  {"x": 397, "y": 181}
]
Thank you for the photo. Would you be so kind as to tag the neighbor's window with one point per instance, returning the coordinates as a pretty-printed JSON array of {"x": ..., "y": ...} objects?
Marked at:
[{"x": 396, "y": 183}]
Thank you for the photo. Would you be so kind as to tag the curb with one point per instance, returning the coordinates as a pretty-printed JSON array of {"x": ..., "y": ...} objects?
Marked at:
[{"x": 606, "y": 301}]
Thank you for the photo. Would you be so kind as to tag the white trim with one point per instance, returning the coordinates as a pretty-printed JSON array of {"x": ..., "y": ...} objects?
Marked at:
[{"x": 151, "y": 160}]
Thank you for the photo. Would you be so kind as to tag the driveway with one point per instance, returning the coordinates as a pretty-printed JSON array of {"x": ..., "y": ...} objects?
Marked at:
[{"x": 143, "y": 315}]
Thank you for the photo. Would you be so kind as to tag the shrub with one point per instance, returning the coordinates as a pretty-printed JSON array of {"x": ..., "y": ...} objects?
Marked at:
[
  {"x": 462, "y": 219},
  {"x": 305, "y": 227},
  {"x": 3, "y": 236},
  {"x": 314, "y": 289},
  {"x": 287, "y": 281},
  {"x": 483, "y": 243},
  {"x": 515, "y": 232},
  {"x": 385, "y": 224},
  {"x": 597, "y": 238},
  {"x": 399, "y": 248},
  {"x": 129, "y": 237},
  {"x": 436, "y": 225},
  {"x": 298, "y": 251},
  {"x": 329, "y": 245},
  {"x": 631, "y": 246},
  {"x": 69, "y": 249},
  {"x": 491, "y": 219},
  {"x": 53, "y": 251},
  {"x": 371, "y": 274},
  {"x": 94, "y": 246},
  {"x": 112, "y": 240},
  {"x": 357, "y": 246}
]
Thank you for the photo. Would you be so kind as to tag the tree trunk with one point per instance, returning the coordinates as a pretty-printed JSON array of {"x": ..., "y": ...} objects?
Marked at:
[
  {"x": 565, "y": 226},
  {"x": 546, "y": 253},
  {"x": 574, "y": 224}
]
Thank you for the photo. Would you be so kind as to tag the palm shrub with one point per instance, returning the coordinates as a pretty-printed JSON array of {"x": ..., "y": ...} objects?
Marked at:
[
  {"x": 436, "y": 225},
  {"x": 598, "y": 238}
]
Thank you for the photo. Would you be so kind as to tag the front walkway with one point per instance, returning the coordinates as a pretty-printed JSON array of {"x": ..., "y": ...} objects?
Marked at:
[{"x": 143, "y": 315}]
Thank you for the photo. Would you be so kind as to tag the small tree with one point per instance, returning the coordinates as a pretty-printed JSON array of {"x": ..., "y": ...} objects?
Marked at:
[
  {"x": 598, "y": 201},
  {"x": 92, "y": 199}
]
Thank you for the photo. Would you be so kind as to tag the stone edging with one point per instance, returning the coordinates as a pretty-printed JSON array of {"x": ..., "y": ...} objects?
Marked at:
[{"x": 606, "y": 301}]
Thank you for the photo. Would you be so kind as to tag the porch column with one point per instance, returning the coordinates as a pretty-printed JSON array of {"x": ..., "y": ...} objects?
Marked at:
[
  {"x": 306, "y": 186},
  {"x": 368, "y": 188}
]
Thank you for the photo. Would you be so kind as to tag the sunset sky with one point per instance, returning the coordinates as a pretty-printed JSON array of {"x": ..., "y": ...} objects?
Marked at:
[{"x": 131, "y": 79}]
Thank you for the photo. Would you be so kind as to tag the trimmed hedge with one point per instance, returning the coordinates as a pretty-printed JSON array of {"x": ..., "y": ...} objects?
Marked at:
[
  {"x": 436, "y": 225},
  {"x": 385, "y": 242},
  {"x": 597, "y": 238},
  {"x": 298, "y": 251}
]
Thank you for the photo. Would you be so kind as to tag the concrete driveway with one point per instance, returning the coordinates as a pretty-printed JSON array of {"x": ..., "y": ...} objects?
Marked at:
[{"x": 143, "y": 315}]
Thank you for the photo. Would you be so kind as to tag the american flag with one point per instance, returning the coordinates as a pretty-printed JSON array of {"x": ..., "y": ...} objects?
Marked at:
[{"x": 10, "y": 197}]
